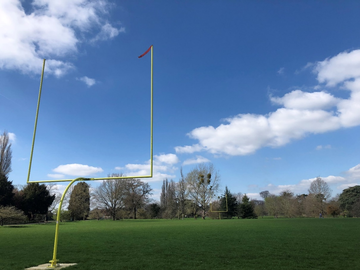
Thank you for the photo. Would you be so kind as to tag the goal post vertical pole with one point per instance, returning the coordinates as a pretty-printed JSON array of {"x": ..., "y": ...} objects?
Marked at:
[
  {"x": 151, "y": 108},
  {"x": 36, "y": 119}
]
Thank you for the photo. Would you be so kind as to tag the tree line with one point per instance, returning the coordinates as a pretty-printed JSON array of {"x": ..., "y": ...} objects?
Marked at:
[
  {"x": 17, "y": 204},
  {"x": 316, "y": 203},
  {"x": 193, "y": 195}
]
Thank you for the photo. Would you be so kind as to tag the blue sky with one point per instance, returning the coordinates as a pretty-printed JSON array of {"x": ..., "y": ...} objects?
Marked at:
[{"x": 268, "y": 91}]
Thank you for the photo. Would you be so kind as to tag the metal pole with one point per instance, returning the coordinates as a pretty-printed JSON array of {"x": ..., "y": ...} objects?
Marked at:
[
  {"x": 54, "y": 260},
  {"x": 151, "y": 108},
  {"x": 36, "y": 118}
]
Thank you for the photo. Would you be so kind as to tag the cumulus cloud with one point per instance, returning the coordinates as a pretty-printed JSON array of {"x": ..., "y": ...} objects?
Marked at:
[
  {"x": 166, "y": 158},
  {"x": 306, "y": 101},
  {"x": 163, "y": 167},
  {"x": 88, "y": 81},
  {"x": 197, "y": 160},
  {"x": 342, "y": 67},
  {"x": 77, "y": 169},
  {"x": 188, "y": 149},
  {"x": 51, "y": 31},
  {"x": 302, "y": 113},
  {"x": 56, "y": 175}
]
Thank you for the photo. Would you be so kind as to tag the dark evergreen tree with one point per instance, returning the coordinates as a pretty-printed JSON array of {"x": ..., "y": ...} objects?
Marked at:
[
  {"x": 232, "y": 204},
  {"x": 6, "y": 191},
  {"x": 247, "y": 208},
  {"x": 154, "y": 210},
  {"x": 36, "y": 200},
  {"x": 79, "y": 204},
  {"x": 349, "y": 197}
]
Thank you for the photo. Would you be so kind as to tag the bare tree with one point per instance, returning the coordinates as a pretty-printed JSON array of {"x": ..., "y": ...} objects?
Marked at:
[
  {"x": 136, "y": 194},
  {"x": 5, "y": 154},
  {"x": 53, "y": 190},
  {"x": 110, "y": 195},
  {"x": 319, "y": 186},
  {"x": 202, "y": 183},
  {"x": 168, "y": 199},
  {"x": 181, "y": 194},
  {"x": 321, "y": 190}
]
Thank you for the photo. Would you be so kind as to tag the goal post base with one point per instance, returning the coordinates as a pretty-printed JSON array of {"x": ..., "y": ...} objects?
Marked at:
[{"x": 48, "y": 266}]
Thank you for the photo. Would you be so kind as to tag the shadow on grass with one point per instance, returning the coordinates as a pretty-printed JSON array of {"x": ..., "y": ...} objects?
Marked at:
[{"x": 16, "y": 226}]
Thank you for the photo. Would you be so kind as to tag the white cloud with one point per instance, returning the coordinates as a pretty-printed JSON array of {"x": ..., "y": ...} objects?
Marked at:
[
  {"x": 342, "y": 67},
  {"x": 88, "y": 81},
  {"x": 246, "y": 133},
  {"x": 354, "y": 172},
  {"x": 56, "y": 175},
  {"x": 12, "y": 137},
  {"x": 302, "y": 114},
  {"x": 345, "y": 186},
  {"x": 306, "y": 101},
  {"x": 77, "y": 169},
  {"x": 281, "y": 71},
  {"x": 254, "y": 196},
  {"x": 188, "y": 149},
  {"x": 51, "y": 32},
  {"x": 119, "y": 168},
  {"x": 163, "y": 167},
  {"x": 166, "y": 158},
  {"x": 108, "y": 32},
  {"x": 198, "y": 159}
]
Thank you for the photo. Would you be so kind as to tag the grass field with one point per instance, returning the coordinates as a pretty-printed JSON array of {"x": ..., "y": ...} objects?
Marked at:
[{"x": 187, "y": 244}]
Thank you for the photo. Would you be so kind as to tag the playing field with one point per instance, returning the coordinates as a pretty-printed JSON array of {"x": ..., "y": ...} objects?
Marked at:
[{"x": 187, "y": 244}]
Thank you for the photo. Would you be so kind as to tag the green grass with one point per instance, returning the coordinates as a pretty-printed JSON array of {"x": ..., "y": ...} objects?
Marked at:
[{"x": 188, "y": 244}]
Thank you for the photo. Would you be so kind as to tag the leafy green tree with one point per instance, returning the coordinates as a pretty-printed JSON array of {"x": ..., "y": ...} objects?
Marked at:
[
  {"x": 247, "y": 209},
  {"x": 79, "y": 204},
  {"x": 36, "y": 200},
  {"x": 9, "y": 214},
  {"x": 349, "y": 197},
  {"x": 6, "y": 191},
  {"x": 231, "y": 203}
]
